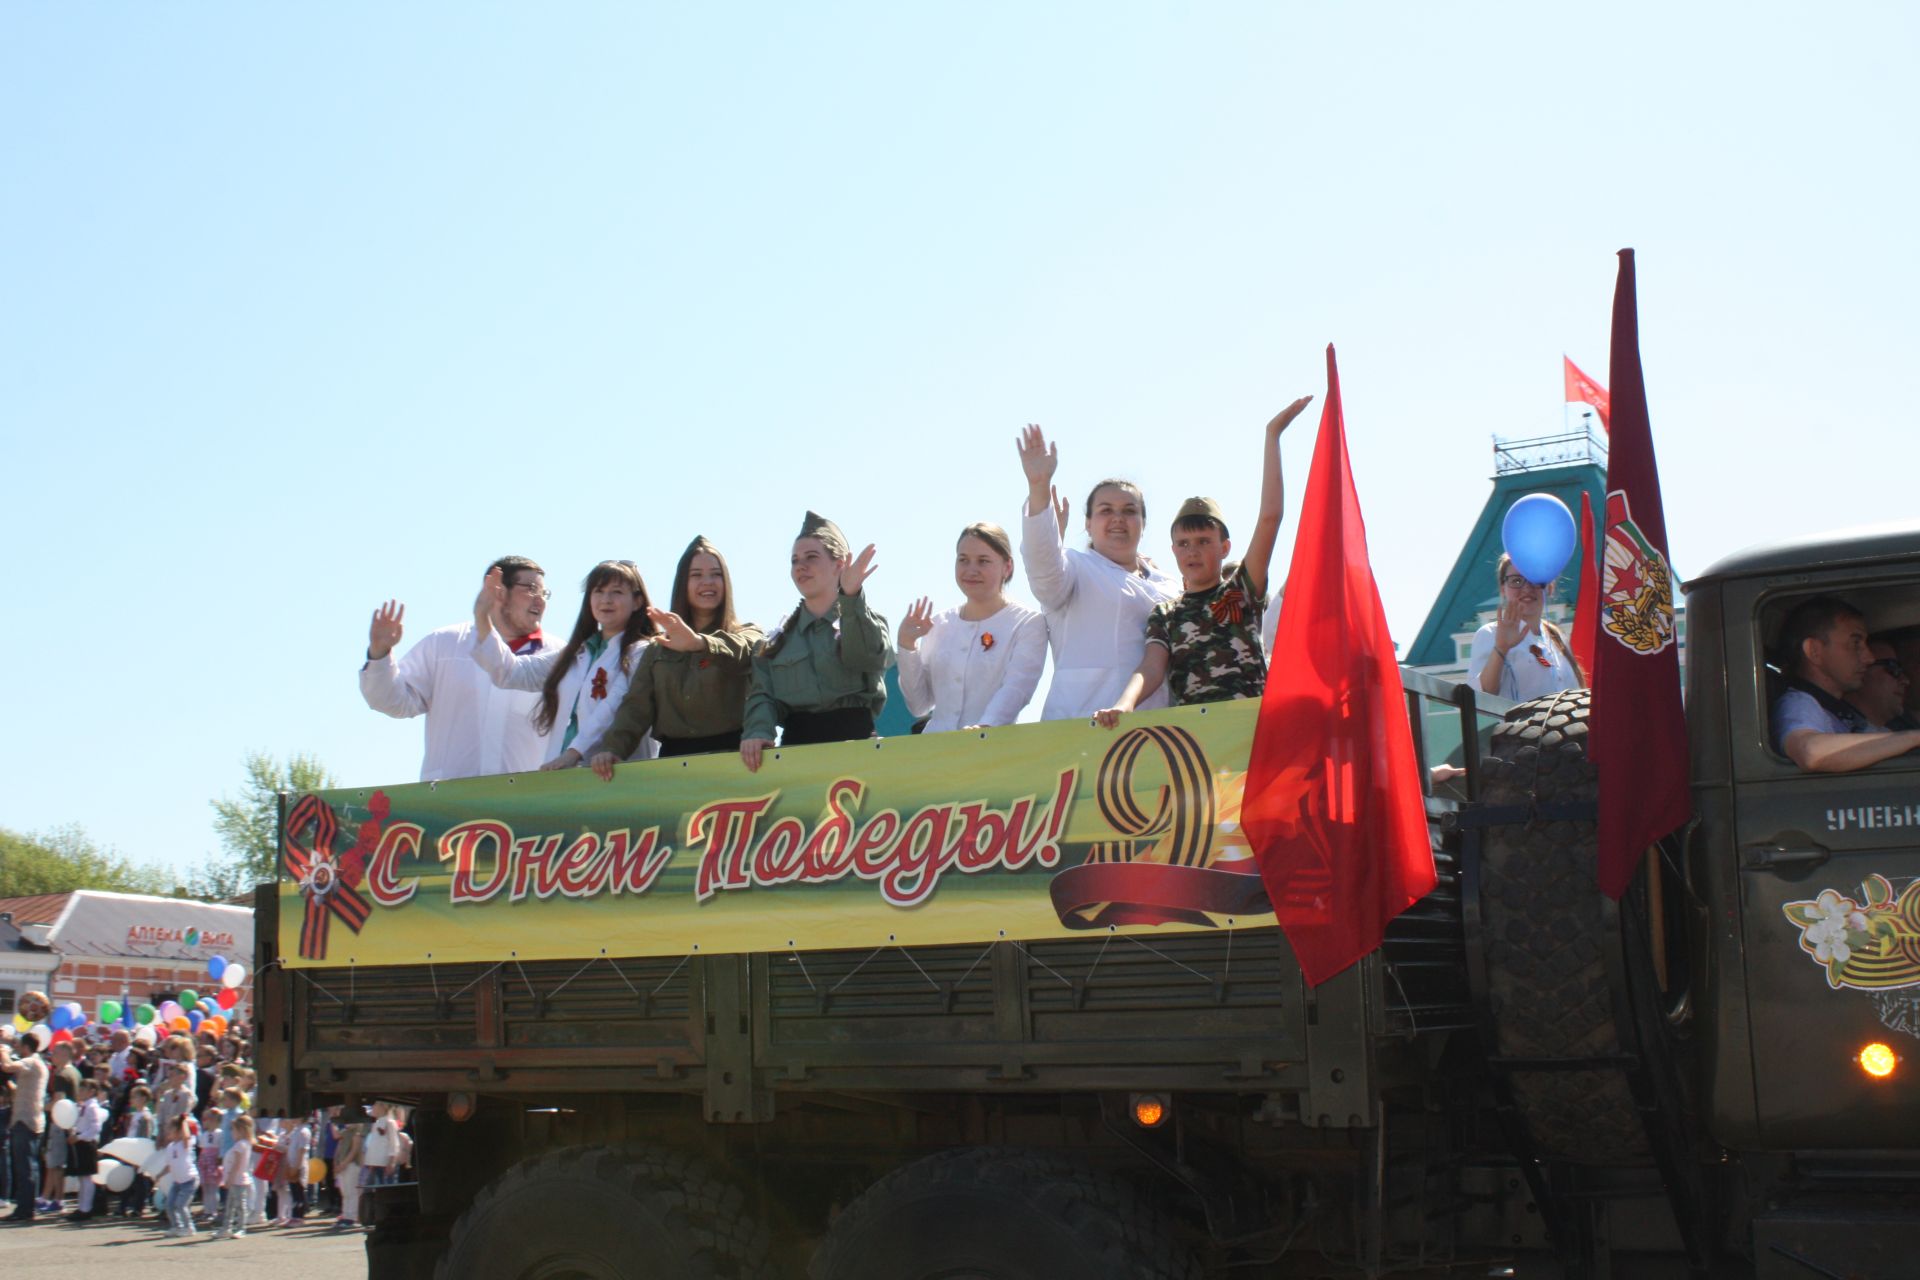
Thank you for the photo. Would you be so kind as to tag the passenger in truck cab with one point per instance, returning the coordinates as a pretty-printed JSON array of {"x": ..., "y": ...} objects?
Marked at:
[
  {"x": 821, "y": 676},
  {"x": 472, "y": 727},
  {"x": 1882, "y": 694},
  {"x": 1824, "y": 656}
]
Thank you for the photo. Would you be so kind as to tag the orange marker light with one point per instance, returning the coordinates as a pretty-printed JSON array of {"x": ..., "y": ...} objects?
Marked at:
[
  {"x": 1878, "y": 1060},
  {"x": 1148, "y": 1111}
]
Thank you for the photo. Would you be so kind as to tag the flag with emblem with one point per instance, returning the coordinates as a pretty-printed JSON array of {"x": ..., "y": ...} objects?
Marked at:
[
  {"x": 1638, "y": 728},
  {"x": 1333, "y": 802}
]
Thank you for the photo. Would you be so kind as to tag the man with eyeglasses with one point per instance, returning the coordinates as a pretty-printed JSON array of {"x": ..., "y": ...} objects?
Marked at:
[
  {"x": 473, "y": 728},
  {"x": 1882, "y": 695},
  {"x": 1825, "y": 655}
]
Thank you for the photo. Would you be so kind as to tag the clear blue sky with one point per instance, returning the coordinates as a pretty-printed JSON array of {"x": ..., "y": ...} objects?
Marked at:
[{"x": 305, "y": 307}]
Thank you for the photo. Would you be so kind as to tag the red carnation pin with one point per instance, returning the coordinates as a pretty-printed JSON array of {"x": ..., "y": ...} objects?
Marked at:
[{"x": 986, "y": 639}]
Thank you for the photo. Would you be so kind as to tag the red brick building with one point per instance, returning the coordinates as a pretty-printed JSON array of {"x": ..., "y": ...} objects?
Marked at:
[{"x": 124, "y": 946}]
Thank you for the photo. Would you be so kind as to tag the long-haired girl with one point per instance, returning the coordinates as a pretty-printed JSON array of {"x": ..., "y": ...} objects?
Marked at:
[
  {"x": 690, "y": 689},
  {"x": 1520, "y": 655},
  {"x": 582, "y": 682}
]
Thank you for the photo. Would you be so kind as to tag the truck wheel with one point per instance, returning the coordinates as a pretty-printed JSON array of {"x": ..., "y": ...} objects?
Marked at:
[
  {"x": 606, "y": 1213},
  {"x": 1546, "y": 939},
  {"x": 1001, "y": 1214}
]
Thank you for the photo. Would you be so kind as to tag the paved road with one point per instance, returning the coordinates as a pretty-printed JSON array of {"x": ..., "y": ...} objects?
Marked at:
[{"x": 55, "y": 1247}]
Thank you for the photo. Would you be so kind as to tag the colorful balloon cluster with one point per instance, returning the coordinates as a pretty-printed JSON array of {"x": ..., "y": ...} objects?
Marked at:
[{"x": 189, "y": 1012}]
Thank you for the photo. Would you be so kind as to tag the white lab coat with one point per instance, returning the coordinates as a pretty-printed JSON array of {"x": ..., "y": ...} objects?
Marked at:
[
  {"x": 473, "y": 729},
  {"x": 1096, "y": 619},
  {"x": 956, "y": 676},
  {"x": 591, "y": 689}
]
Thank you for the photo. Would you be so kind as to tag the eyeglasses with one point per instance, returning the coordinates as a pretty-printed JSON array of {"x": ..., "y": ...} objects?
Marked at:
[
  {"x": 1891, "y": 666},
  {"x": 1515, "y": 581},
  {"x": 531, "y": 590}
]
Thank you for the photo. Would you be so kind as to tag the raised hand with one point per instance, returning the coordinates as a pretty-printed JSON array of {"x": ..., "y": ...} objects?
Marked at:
[
  {"x": 1062, "y": 511},
  {"x": 914, "y": 627},
  {"x": 491, "y": 601},
  {"x": 855, "y": 571},
  {"x": 1039, "y": 460},
  {"x": 750, "y": 749},
  {"x": 1509, "y": 627},
  {"x": 386, "y": 629},
  {"x": 675, "y": 634},
  {"x": 1283, "y": 419}
]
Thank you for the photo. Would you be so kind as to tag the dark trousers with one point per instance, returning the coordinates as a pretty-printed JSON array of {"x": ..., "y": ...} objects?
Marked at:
[
  {"x": 24, "y": 1159},
  {"x": 842, "y": 724},
  {"x": 699, "y": 746}
]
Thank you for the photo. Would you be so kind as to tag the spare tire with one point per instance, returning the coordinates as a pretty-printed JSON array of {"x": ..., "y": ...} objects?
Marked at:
[
  {"x": 1546, "y": 938},
  {"x": 607, "y": 1213}
]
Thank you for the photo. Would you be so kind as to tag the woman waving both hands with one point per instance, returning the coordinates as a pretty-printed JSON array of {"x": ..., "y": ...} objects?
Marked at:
[
  {"x": 1097, "y": 600},
  {"x": 821, "y": 676},
  {"x": 691, "y": 686},
  {"x": 977, "y": 664}
]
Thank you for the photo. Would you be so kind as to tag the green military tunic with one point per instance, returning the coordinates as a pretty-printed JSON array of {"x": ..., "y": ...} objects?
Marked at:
[
  {"x": 824, "y": 663},
  {"x": 685, "y": 695},
  {"x": 1212, "y": 639}
]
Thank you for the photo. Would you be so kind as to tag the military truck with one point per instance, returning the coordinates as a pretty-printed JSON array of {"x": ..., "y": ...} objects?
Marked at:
[{"x": 1712, "y": 1077}]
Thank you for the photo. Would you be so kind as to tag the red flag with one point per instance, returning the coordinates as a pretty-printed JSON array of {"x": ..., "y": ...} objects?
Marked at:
[
  {"x": 1584, "y": 390},
  {"x": 1587, "y": 606},
  {"x": 1638, "y": 735},
  {"x": 1332, "y": 799}
]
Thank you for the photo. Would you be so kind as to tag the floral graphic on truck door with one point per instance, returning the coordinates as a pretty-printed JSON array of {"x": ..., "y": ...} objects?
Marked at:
[{"x": 1870, "y": 945}]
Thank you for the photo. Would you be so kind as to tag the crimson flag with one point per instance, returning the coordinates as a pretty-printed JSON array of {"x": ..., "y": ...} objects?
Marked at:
[
  {"x": 1584, "y": 390},
  {"x": 1333, "y": 802},
  {"x": 1638, "y": 728},
  {"x": 1587, "y": 607}
]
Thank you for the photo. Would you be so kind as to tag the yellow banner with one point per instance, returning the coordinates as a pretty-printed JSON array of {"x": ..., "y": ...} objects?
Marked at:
[{"x": 1032, "y": 831}]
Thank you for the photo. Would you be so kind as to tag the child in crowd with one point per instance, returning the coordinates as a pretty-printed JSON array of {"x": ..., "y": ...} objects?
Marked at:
[
  {"x": 266, "y": 1133},
  {"x": 215, "y": 1143},
  {"x": 140, "y": 1124},
  {"x": 1205, "y": 645},
  {"x": 236, "y": 1172},
  {"x": 83, "y": 1155},
  {"x": 290, "y": 1178},
  {"x": 380, "y": 1150},
  {"x": 184, "y": 1175},
  {"x": 822, "y": 675},
  {"x": 346, "y": 1173}
]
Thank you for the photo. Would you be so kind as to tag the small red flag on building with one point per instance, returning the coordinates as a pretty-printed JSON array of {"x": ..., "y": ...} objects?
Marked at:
[
  {"x": 1638, "y": 728},
  {"x": 1584, "y": 390},
  {"x": 1333, "y": 802},
  {"x": 1586, "y": 619}
]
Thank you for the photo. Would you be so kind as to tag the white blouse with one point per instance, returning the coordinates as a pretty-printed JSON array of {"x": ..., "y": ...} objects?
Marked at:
[
  {"x": 975, "y": 672},
  {"x": 592, "y": 689},
  {"x": 1096, "y": 619},
  {"x": 1534, "y": 668},
  {"x": 473, "y": 728}
]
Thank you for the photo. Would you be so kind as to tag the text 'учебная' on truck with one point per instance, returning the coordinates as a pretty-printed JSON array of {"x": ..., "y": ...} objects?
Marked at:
[{"x": 1010, "y": 1004}]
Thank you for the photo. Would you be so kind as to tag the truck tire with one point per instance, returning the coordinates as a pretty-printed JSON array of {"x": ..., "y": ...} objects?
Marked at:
[
  {"x": 607, "y": 1213},
  {"x": 1546, "y": 939},
  {"x": 1001, "y": 1214}
]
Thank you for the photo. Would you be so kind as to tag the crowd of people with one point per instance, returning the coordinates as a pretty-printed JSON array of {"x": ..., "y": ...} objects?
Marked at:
[
  {"x": 633, "y": 681},
  {"x": 214, "y": 1162}
]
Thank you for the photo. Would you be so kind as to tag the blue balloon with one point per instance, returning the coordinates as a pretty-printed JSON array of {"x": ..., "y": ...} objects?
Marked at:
[
  {"x": 60, "y": 1019},
  {"x": 194, "y": 1019},
  {"x": 1540, "y": 536},
  {"x": 216, "y": 966}
]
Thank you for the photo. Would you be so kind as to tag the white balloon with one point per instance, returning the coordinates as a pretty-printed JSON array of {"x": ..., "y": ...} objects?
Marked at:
[
  {"x": 156, "y": 1164},
  {"x": 233, "y": 975},
  {"x": 120, "y": 1177},
  {"x": 133, "y": 1150},
  {"x": 144, "y": 1036},
  {"x": 65, "y": 1113},
  {"x": 42, "y": 1033}
]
